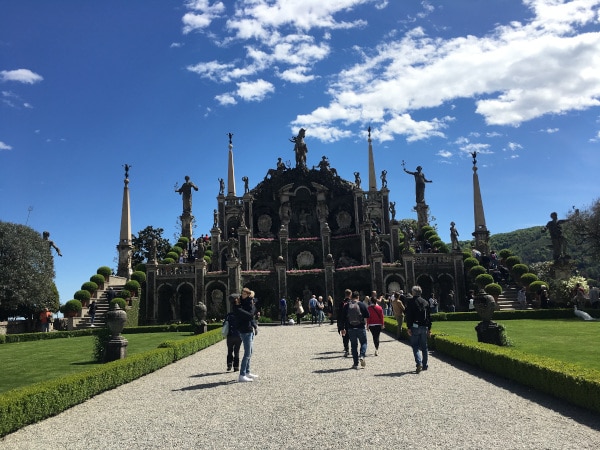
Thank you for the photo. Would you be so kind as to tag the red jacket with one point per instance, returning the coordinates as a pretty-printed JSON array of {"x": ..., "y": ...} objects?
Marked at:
[{"x": 375, "y": 315}]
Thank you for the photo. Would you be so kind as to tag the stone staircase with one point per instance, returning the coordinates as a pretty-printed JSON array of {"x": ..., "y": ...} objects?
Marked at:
[
  {"x": 101, "y": 299},
  {"x": 507, "y": 301}
]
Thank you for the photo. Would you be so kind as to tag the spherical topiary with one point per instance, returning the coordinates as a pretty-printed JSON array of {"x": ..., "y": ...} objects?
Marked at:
[
  {"x": 512, "y": 260},
  {"x": 173, "y": 255},
  {"x": 71, "y": 308},
  {"x": 117, "y": 301},
  {"x": 528, "y": 278},
  {"x": 141, "y": 267},
  {"x": 132, "y": 286},
  {"x": 505, "y": 253},
  {"x": 167, "y": 261},
  {"x": 519, "y": 269},
  {"x": 443, "y": 248},
  {"x": 138, "y": 276},
  {"x": 428, "y": 234},
  {"x": 89, "y": 286},
  {"x": 185, "y": 240},
  {"x": 470, "y": 262},
  {"x": 176, "y": 249},
  {"x": 467, "y": 255},
  {"x": 83, "y": 296},
  {"x": 475, "y": 271},
  {"x": 494, "y": 289},
  {"x": 98, "y": 279},
  {"x": 208, "y": 253},
  {"x": 124, "y": 293},
  {"x": 535, "y": 286},
  {"x": 105, "y": 271},
  {"x": 483, "y": 280}
]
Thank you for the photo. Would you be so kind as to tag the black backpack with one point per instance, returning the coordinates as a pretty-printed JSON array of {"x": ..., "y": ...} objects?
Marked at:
[{"x": 355, "y": 317}]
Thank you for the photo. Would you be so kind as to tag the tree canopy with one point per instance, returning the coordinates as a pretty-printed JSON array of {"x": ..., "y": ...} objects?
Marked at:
[
  {"x": 142, "y": 245},
  {"x": 26, "y": 272}
]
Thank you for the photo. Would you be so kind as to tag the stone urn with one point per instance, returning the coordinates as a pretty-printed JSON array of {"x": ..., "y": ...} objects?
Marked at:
[
  {"x": 115, "y": 321},
  {"x": 485, "y": 305},
  {"x": 200, "y": 325},
  {"x": 488, "y": 331}
]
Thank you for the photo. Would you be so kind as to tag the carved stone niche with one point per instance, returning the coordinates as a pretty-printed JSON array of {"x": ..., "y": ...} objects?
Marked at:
[
  {"x": 305, "y": 260},
  {"x": 264, "y": 226}
]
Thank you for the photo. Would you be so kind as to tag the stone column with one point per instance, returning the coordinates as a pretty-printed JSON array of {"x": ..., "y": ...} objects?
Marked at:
[
  {"x": 200, "y": 267},
  {"x": 395, "y": 249},
  {"x": 283, "y": 244},
  {"x": 325, "y": 240},
  {"x": 280, "y": 268},
  {"x": 234, "y": 276},
  {"x": 377, "y": 272},
  {"x": 151, "y": 294},
  {"x": 215, "y": 243},
  {"x": 329, "y": 274},
  {"x": 244, "y": 240}
]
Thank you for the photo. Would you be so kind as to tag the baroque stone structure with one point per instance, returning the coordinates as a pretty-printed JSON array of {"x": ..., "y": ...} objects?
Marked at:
[{"x": 299, "y": 231}]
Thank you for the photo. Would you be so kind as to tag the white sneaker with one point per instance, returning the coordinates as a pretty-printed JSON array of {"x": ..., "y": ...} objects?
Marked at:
[
  {"x": 244, "y": 379},
  {"x": 363, "y": 363},
  {"x": 251, "y": 375},
  {"x": 376, "y": 352}
]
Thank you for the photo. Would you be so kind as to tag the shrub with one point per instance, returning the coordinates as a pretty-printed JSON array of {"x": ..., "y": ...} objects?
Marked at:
[
  {"x": 118, "y": 301},
  {"x": 176, "y": 249},
  {"x": 429, "y": 234},
  {"x": 512, "y": 260},
  {"x": 138, "y": 276},
  {"x": 132, "y": 286},
  {"x": 483, "y": 280},
  {"x": 505, "y": 253},
  {"x": 467, "y": 255},
  {"x": 72, "y": 306},
  {"x": 173, "y": 255},
  {"x": 167, "y": 261},
  {"x": 518, "y": 270},
  {"x": 442, "y": 248},
  {"x": 141, "y": 267},
  {"x": 208, "y": 253},
  {"x": 476, "y": 271},
  {"x": 105, "y": 271},
  {"x": 470, "y": 262},
  {"x": 83, "y": 296},
  {"x": 98, "y": 279},
  {"x": 184, "y": 240},
  {"x": 124, "y": 293},
  {"x": 528, "y": 278},
  {"x": 494, "y": 289},
  {"x": 89, "y": 286},
  {"x": 536, "y": 285}
]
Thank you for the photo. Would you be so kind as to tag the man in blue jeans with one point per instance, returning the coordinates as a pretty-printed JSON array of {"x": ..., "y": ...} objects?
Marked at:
[
  {"x": 354, "y": 314},
  {"x": 244, "y": 316},
  {"x": 418, "y": 322}
]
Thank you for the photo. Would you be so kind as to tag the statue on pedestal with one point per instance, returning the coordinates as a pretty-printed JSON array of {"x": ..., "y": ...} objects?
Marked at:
[
  {"x": 186, "y": 193},
  {"x": 420, "y": 181},
  {"x": 300, "y": 148}
]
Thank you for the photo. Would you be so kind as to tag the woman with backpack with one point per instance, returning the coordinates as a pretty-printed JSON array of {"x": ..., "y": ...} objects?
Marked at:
[{"x": 375, "y": 322}]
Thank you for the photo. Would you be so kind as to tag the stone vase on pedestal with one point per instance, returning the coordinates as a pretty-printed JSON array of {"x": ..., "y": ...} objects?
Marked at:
[{"x": 116, "y": 348}]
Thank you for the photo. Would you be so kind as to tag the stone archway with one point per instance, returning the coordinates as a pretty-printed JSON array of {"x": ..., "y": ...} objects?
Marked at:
[{"x": 426, "y": 283}]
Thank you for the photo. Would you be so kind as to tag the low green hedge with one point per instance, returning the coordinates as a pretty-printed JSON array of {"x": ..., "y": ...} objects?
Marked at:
[
  {"x": 557, "y": 313},
  {"x": 563, "y": 380},
  {"x": 30, "y": 404}
]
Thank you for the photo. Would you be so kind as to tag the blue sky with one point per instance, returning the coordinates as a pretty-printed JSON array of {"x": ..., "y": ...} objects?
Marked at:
[{"x": 86, "y": 87}]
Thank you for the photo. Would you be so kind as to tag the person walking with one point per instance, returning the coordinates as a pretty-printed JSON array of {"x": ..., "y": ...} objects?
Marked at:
[
  {"x": 283, "y": 310},
  {"x": 299, "y": 309},
  {"x": 398, "y": 307},
  {"x": 341, "y": 321},
  {"x": 375, "y": 323},
  {"x": 312, "y": 307},
  {"x": 234, "y": 339},
  {"x": 92, "y": 312},
  {"x": 355, "y": 312},
  {"x": 45, "y": 318},
  {"x": 418, "y": 322},
  {"x": 329, "y": 308},
  {"x": 320, "y": 310},
  {"x": 248, "y": 329}
]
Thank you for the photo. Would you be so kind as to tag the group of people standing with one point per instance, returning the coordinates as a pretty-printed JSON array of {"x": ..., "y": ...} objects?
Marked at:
[{"x": 354, "y": 319}]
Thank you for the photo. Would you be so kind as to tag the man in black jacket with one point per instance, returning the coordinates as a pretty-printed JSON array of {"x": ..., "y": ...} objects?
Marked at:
[
  {"x": 418, "y": 322},
  {"x": 354, "y": 315}
]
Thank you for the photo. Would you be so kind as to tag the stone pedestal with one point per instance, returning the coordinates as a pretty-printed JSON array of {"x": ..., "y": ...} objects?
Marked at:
[
  {"x": 489, "y": 332},
  {"x": 116, "y": 349}
]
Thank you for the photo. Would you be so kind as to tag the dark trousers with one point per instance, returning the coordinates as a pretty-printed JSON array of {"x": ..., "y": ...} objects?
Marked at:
[
  {"x": 233, "y": 352},
  {"x": 375, "y": 331}
]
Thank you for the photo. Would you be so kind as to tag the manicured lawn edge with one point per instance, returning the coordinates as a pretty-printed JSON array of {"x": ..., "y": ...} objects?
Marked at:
[
  {"x": 565, "y": 381},
  {"x": 30, "y": 404}
]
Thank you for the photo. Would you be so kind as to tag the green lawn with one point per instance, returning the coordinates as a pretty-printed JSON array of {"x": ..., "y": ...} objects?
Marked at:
[
  {"x": 26, "y": 363},
  {"x": 570, "y": 340}
]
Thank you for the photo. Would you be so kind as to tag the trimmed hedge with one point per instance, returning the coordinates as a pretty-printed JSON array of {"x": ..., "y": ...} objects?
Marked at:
[{"x": 30, "y": 404}]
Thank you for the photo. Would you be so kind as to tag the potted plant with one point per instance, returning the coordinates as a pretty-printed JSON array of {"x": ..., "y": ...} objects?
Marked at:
[
  {"x": 117, "y": 301},
  {"x": 98, "y": 279},
  {"x": 105, "y": 271},
  {"x": 72, "y": 308},
  {"x": 133, "y": 287},
  {"x": 138, "y": 276},
  {"x": 83, "y": 296},
  {"x": 90, "y": 286}
]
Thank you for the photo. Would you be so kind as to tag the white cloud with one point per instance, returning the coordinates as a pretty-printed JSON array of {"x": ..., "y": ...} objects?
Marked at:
[
  {"x": 226, "y": 99},
  {"x": 176, "y": 45},
  {"x": 296, "y": 75},
  {"x": 444, "y": 153},
  {"x": 517, "y": 73},
  {"x": 550, "y": 130},
  {"x": 4, "y": 146},
  {"x": 21, "y": 75},
  {"x": 513, "y": 146},
  {"x": 254, "y": 91},
  {"x": 203, "y": 15}
]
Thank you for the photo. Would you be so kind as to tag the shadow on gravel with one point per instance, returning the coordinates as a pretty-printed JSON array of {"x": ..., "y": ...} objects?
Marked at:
[
  {"x": 395, "y": 374},
  {"x": 582, "y": 415},
  {"x": 206, "y": 386},
  {"x": 202, "y": 375},
  {"x": 343, "y": 369}
]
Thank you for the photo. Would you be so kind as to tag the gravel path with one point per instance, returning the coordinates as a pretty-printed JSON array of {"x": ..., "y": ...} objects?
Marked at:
[{"x": 309, "y": 397}]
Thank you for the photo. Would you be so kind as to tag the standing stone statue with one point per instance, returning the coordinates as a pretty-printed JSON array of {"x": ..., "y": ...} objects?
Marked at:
[
  {"x": 454, "y": 237},
  {"x": 384, "y": 178},
  {"x": 300, "y": 148},
  {"x": 559, "y": 243},
  {"x": 246, "y": 188},
  {"x": 357, "y": 179},
  {"x": 215, "y": 218},
  {"x": 186, "y": 193},
  {"x": 420, "y": 181},
  {"x": 393, "y": 210},
  {"x": 51, "y": 244},
  {"x": 221, "y": 186}
]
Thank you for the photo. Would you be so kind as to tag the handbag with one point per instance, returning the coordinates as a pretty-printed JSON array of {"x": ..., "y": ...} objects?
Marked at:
[{"x": 225, "y": 329}]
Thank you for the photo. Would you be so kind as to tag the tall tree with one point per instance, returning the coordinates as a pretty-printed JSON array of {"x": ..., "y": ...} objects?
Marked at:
[
  {"x": 26, "y": 272},
  {"x": 583, "y": 227},
  {"x": 142, "y": 245}
]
